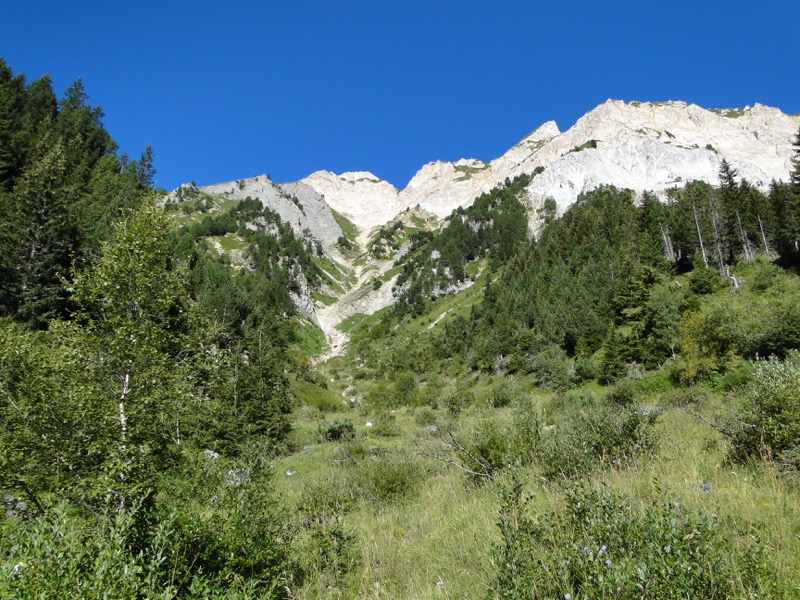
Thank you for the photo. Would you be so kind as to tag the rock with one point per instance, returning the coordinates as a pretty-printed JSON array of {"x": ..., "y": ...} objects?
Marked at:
[{"x": 236, "y": 477}]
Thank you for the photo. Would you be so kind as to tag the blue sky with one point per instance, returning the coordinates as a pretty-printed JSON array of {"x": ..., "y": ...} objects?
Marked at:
[{"x": 230, "y": 90}]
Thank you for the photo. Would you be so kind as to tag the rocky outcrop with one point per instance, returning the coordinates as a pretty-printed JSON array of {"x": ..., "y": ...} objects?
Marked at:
[
  {"x": 360, "y": 196},
  {"x": 296, "y": 204},
  {"x": 638, "y": 145}
]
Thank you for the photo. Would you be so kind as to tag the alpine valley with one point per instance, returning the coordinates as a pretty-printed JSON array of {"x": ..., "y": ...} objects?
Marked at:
[
  {"x": 639, "y": 146},
  {"x": 572, "y": 371}
]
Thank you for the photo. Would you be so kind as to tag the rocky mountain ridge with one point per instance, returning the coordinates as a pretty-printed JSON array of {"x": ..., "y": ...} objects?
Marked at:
[{"x": 637, "y": 145}]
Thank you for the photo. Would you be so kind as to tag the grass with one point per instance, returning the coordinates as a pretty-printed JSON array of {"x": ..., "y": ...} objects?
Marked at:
[
  {"x": 585, "y": 146},
  {"x": 731, "y": 113},
  {"x": 231, "y": 242},
  {"x": 353, "y": 322},
  {"x": 436, "y": 542},
  {"x": 468, "y": 171},
  {"x": 349, "y": 230},
  {"x": 339, "y": 276},
  {"x": 311, "y": 339},
  {"x": 323, "y": 298}
]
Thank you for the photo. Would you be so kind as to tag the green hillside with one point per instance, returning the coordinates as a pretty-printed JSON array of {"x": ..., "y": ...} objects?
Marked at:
[{"x": 609, "y": 410}]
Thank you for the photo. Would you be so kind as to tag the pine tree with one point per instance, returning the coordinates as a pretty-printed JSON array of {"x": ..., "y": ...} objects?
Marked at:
[{"x": 46, "y": 238}]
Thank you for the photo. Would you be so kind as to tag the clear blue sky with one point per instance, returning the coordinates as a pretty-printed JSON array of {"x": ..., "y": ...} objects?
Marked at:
[{"x": 225, "y": 90}]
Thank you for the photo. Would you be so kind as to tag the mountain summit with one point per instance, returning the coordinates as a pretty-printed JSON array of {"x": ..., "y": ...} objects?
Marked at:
[
  {"x": 351, "y": 218},
  {"x": 638, "y": 145}
]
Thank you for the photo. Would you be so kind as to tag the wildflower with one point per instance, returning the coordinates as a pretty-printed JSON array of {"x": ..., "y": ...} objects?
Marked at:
[
  {"x": 567, "y": 596},
  {"x": 608, "y": 563},
  {"x": 586, "y": 550},
  {"x": 603, "y": 548}
]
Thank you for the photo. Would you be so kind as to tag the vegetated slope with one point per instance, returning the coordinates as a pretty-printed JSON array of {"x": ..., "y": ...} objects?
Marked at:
[
  {"x": 590, "y": 412},
  {"x": 638, "y": 145},
  {"x": 438, "y": 262}
]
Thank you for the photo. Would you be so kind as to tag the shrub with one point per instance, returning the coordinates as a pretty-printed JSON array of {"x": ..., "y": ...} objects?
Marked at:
[
  {"x": 493, "y": 444},
  {"x": 768, "y": 424},
  {"x": 608, "y": 546},
  {"x": 622, "y": 394},
  {"x": 704, "y": 281},
  {"x": 501, "y": 397},
  {"x": 388, "y": 477},
  {"x": 329, "y": 553},
  {"x": 203, "y": 539},
  {"x": 323, "y": 501},
  {"x": 386, "y": 425},
  {"x": 552, "y": 368},
  {"x": 598, "y": 436},
  {"x": 425, "y": 417},
  {"x": 337, "y": 431}
]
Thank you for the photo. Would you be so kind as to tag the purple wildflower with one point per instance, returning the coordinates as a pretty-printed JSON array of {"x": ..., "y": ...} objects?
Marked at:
[
  {"x": 603, "y": 548},
  {"x": 567, "y": 596},
  {"x": 608, "y": 563}
]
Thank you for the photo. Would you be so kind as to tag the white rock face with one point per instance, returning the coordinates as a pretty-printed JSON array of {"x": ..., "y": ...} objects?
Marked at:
[
  {"x": 646, "y": 146},
  {"x": 360, "y": 196},
  {"x": 297, "y": 204},
  {"x": 638, "y": 145}
]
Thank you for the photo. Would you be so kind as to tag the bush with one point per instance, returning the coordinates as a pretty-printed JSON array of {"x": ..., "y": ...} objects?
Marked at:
[
  {"x": 768, "y": 425},
  {"x": 201, "y": 538},
  {"x": 705, "y": 281},
  {"x": 493, "y": 444},
  {"x": 386, "y": 425},
  {"x": 552, "y": 368},
  {"x": 622, "y": 394},
  {"x": 608, "y": 546},
  {"x": 388, "y": 477},
  {"x": 328, "y": 554},
  {"x": 600, "y": 436},
  {"x": 337, "y": 431},
  {"x": 501, "y": 398},
  {"x": 425, "y": 417},
  {"x": 323, "y": 501}
]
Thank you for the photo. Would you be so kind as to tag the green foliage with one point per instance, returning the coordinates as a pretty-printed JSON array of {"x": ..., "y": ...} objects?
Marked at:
[
  {"x": 336, "y": 431},
  {"x": 388, "y": 477},
  {"x": 491, "y": 444},
  {"x": 492, "y": 226},
  {"x": 227, "y": 541},
  {"x": 609, "y": 545},
  {"x": 110, "y": 387},
  {"x": 585, "y": 146},
  {"x": 768, "y": 425},
  {"x": 623, "y": 394},
  {"x": 61, "y": 188},
  {"x": 704, "y": 281},
  {"x": 591, "y": 435},
  {"x": 329, "y": 554},
  {"x": 227, "y": 524}
]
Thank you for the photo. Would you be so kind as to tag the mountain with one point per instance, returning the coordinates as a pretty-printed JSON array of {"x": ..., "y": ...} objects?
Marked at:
[
  {"x": 636, "y": 145},
  {"x": 361, "y": 223}
]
